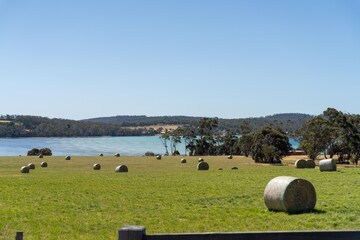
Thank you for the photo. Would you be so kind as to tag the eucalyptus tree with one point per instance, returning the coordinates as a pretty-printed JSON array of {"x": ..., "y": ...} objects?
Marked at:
[
  {"x": 346, "y": 141},
  {"x": 269, "y": 145},
  {"x": 316, "y": 136},
  {"x": 205, "y": 143}
]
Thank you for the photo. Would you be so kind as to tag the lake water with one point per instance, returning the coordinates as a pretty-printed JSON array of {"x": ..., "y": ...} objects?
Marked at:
[{"x": 91, "y": 146}]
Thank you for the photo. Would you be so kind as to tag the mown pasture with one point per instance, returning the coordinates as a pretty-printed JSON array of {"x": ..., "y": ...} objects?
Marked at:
[{"x": 70, "y": 200}]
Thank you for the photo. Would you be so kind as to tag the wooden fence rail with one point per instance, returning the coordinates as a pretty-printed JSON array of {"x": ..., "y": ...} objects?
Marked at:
[{"x": 139, "y": 233}]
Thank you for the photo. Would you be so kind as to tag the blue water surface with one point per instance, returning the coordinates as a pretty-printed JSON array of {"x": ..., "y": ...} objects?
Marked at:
[{"x": 90, "y": 146}]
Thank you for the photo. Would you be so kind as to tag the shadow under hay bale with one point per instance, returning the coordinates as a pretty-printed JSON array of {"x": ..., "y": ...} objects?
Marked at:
[
  {"x": 290, "y": 194},
  {"x": 24, "y": 169},
  {"x": 310, "y": 163},
  {"x": 220, "y": 169},
  {"x": 97, "y": 166},
  {"x": 183, "y": 160},
  {"x": 301, "y": 163},
  {"x": 121, "y": 168},
  {"x": 234, "y": 168},
  {"x": 327, "y": 165},
  {"x": 67, "y": 158},
  {"x": 203, "y": 166},
  {"x": 43, "y": 164},
  {"x": 31, "y": 166}
]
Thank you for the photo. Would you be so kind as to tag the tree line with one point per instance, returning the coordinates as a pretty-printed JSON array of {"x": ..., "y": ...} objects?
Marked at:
[
  {"x": 268, "y": 144},
  {"x": 331, "y": 133},
  {"x": 288, "y": 122},
  {"x": 34, "y": 126}
]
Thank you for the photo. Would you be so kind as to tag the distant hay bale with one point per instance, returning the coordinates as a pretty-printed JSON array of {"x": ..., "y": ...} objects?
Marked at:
[
  {"x": 117, "y": 155},
  {"x": 31, "y": 166},
  {"x": 97, "y": 166},
  {"x": 158, "y": 156},
  {"x": 310, "y": 163},
  {"x": 200, "y": 160},
  {"x": 121, "y": 168},
  {"x": 290, "y": 194},
  {"x": 183, "y": 160},
  {"x": 24, "y": 169},
  {"x": 234, "y": 168},
  {"x": 230, "y": 157},
  {"x": 301, "y": 163},
  {"x": 327, "y": 165},
  {"x": 101, "y": 155},
  {"x": 67, "y": 158},
  {"x": 43, "y": 164},
  {"x": 220, "y": 169},
  {"x": 203, "y": 166},
  {"x": 41, "y": 156}
]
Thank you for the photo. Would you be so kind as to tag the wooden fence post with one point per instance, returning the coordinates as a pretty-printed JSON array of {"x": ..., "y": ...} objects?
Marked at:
[
  {"x": 19, "y": 235},
  {"x": 132, "y": 233}
]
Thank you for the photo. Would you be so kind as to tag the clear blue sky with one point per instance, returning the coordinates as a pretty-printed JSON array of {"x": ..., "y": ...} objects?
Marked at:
[{"x": 80, "y": 59}]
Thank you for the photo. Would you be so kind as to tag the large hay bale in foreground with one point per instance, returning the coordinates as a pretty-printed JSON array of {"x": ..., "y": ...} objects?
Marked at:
[
  {"x": 121, "y": 168},
  {"x": 67, "y": 158},
  {"x": 327, "y": 165},
  {"x": 310, "y": 163},
  {"x": 301, "y": 163},
  {"x": 203, "y": 166},
  {"x": 43, "y": 164},
  {"x": 31, "y": 166},
  {"x": 183, "y": 160},
  {"x": 290, "y": 194},
  {"x": 97, "y": 166},
  {"x": 24, "y": 169}
]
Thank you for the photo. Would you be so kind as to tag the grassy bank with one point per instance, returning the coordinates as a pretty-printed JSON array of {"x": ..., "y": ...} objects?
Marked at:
[{"x": 69, "y": 200}]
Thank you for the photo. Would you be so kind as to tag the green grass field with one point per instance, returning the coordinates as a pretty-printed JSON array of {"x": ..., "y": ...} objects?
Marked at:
[{"x": 69, "y": 200}]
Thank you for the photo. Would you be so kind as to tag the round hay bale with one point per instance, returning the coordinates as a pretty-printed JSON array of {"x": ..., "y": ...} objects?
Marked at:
[
  {"x": 24, "y": 169},
  {"x": 230, "y": 157},
  {"x": 234, "y": 168},
  {"x": 121, "y": 168},
  {"x": 301, "y": 163},
  {"x": 67, "y": 158},
  {"x": 41, "y": 156},
  {"x": 117, "y": 154},
  {"x": 31, "y": 166},
  {"x": 290, "y": 194},
  {"x": 158, "y": 156},
  {"x": 327, "y": 165},
  {"x": 43, "y": 164},
  {"x": 310, "y": 163},
  {"x": 101, "y": 155},
  {"x": 97, "y": 166},
  {"x": 200, "y": 160},
  {"x": 220, "y": 169},
  {"x": 183, "y": 160},
  {"x": 203, "y": 166}
]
